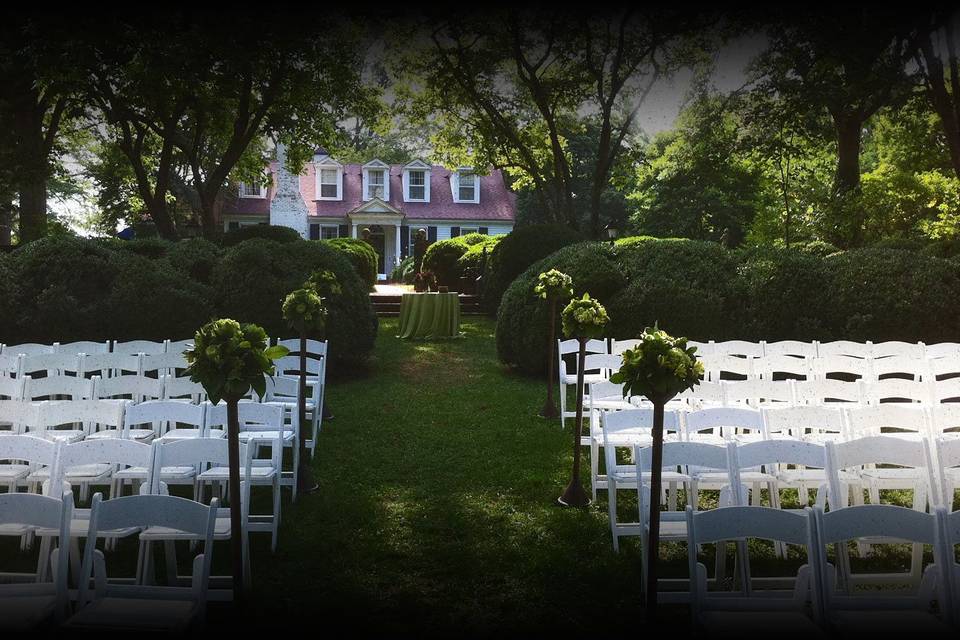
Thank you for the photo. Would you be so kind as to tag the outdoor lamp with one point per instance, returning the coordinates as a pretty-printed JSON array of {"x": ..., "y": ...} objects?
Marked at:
[{"x": 611, "y": 232}]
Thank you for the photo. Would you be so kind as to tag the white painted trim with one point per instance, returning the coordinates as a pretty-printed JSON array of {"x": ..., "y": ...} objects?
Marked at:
[
  {"x": 426, "y": 184},
  {"x": 386, "y": 181},
  {"x": 455, "y": 186},
  {"x": 260, "y": 196},
  {"x": 329, "y": 163}
]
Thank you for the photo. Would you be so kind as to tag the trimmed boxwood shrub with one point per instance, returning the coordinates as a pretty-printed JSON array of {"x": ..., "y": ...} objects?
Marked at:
[
  {"x": 441, "y": 258},
  {"x": 522, "y": 318},
  {"x": 195, "y": 258},
  {"x": 885, "y": 294},
  {"x": 262, "y": 231},
  {"x": 470, "y": 263},
  {"x": 819, "y": 248},
  {"x": 361, "y": 255},
  {"x": 517, "y": 251},
  {"x": 253, "y": 277}
]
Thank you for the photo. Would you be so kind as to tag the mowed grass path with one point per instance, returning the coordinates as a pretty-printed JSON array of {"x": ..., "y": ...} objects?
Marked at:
[{"x": 436, "y": 511}]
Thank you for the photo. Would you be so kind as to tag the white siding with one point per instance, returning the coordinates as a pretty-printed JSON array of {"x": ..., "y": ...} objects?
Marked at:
[
  {"x": 443, "y": 233},
  {"x": 499, "y": 231}
]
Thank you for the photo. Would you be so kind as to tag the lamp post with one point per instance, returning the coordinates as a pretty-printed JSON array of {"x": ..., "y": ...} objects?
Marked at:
[{"x": 612, "y": 232}]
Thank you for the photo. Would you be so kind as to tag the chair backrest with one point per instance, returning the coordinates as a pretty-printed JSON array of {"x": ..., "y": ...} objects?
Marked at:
[
  {"x": 756, "y": 393},
  {"x": 133, "y": 347},
  {"x": 565, "y": 347},
  {"x": 943, "y": 454},
  {"x": 284, "y": 388},
  {"x": 290, "y": 365},
  {"x": 50, "y": 363},
  {"x": 887, "y": 419},
  {"x": 34, "y": 451},
  {"x": 86, "y": 414},
  {"x": 45, "y": 512},
  {"x": 11, "y": 388},
  {"x": 50, "y": 387},
  {"x": 945, "y": 367},
  {"x": 676, "y": 454},
  {"x": 841, "y": 367},
  {"x": 941, "y": 350},
  {"x": 944, "y": 418},
  {"x": 164, "y": 415},
  {"x": 780, "y": 367},
  {"x": 111, "y": 451},
  {"x": 602, "y": 362},
  {"x": 17, "y": 414},
  {"x": 10, "y": 364},
  {"x": 253, "y": 416},
  {"x": 737, "y": 522},
  {"x": 737, "y": 348},
  {"x": 704, "y": 394},
  {"x": 844, "y": 348},
  {"x": 82, "y": 346},
  {"x": 183, "y": 389},
  {"x": 828, "y": 392},
  {"x": 703, "y": 348},
  {"x": 771, "y": 452},
  {"x": 945, "y": 391},
  {"x": 720, "y": 366},
  {"x": 27, "y": 349},
  {"x": 197, "y": 452},
  {"x": 133, "y": 388},
  {"x": 900, "y": 367},
  {"x": 724, "y": 422},
  {"x": 899, "y": 390},
  {"x": 887, "y": 450},
  {"x": 315, "y": 348},
  {"x": 626, "y": 426},
  {"x": 179, "y": 346},
  {"x": 897, "y": 349},
  {"x": 149, "y": 511},
  {"x": 109, "y": 364},
  {"x": 163, "y": 363},
  {"x": 790, "y": 348},
  {"x": 617, "y": 347},
  {"x": 802, "y": 420}
]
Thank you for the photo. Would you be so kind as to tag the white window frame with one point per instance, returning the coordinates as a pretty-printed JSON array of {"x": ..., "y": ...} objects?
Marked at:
[
  {"x": 336, "y": 230},
  {"x": 407, "y": 184},
  {"x": 262, "y": 193},
  {"x": 376, "y": 165},
  {"x": 329, "y": 166},
  {"x": 465, "y": 230},
  {"x": 455, "y": 185}
]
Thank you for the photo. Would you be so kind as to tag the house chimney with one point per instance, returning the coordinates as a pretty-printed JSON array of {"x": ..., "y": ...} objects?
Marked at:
[{"x": 287, "y": 209}]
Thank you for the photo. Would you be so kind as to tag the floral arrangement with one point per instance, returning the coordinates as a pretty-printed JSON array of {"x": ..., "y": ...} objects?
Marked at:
[
  {"x": 325, "y": 283},
  {"x": 553, "y": 285},
  {"x": 303, "y": 310},
  {"x": 659, "y": 368},
  {"x": 584, "y": 318},
  {"x": 229, "y": 359}
]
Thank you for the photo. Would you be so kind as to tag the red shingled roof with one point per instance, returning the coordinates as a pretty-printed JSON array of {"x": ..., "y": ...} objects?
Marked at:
[{"x": 496, "y": 201}]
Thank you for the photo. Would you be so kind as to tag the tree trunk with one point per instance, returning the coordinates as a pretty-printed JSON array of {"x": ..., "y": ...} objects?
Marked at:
[
  {"x": 32, "y": 178},
  {"x": 847, "y": 177},
  {"x": 550, "y": 407},
  {"x": 304, "y": 476},
  {"x": 946, "y": 105},
  {"x": 653, "y": 539},
  {"x": 160, "y": 214},
  {"x": 6, "y": 219},
  {"x": 208, "y": 213},
  {"x": 236, "y": 520},
  {"x": 574, "y": 495}
]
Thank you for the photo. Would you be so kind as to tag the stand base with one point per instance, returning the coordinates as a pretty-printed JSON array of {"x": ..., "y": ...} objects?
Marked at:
[
  {"x": 574, "y": 496},
  {"x": 550, "y": 412}
]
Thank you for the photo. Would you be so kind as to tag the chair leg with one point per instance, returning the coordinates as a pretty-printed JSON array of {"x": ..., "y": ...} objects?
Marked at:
[
  {"x": 612, "y": 511},
  {"x": 595, "y": 467},
  {"x": 296, "y": 467},
  {"x": 276, "y": 515}
]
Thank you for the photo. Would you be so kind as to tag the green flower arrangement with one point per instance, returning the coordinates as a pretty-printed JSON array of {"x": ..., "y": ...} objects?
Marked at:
[
  {"x": 325, "y": 283},
  {"x": 304, "y": 311},
  {"x": 584, "y": 318},
  {"x": 659, "y": 368},
  {"x": 554, "y": 285},
  {"x": 229, "y": 359}
]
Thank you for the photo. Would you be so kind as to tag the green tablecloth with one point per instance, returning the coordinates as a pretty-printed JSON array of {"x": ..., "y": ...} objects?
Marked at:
[{"x": 429, "y": 315}]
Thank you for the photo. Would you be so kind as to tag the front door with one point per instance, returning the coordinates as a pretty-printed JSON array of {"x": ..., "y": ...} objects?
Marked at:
[{"x": 377, "y": 241}]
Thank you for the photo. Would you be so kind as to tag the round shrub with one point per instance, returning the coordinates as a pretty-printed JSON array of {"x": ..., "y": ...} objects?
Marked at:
[
  {"x": 194, "y": 258},
  {"x": 253, "y": 278},
  {"x": 403, "y": 272},
  {"x": 517, "y": 251},
  {"x": 683, "y": 286},
  {"x": 262, "y": 231},
  {"x": 819, "y": 248},
  {"x": 361, "y": 255},
  {"x": 471, "y": 263},
  {"x": 522, "y": 317},
  {"x": 885, "y": 294},
  {"x": 441, "y": 259},
  {"x": 151, "y": 300},
  {"x": 10, "y": 294},
  {"x": 152, "y": 248}
]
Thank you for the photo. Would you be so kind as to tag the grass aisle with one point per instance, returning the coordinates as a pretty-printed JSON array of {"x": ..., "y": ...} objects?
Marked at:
[{"x": 436, "y": 510}]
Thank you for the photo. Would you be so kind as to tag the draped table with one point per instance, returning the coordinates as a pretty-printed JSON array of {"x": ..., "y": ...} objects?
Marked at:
[{"x": 429, "y": 315}]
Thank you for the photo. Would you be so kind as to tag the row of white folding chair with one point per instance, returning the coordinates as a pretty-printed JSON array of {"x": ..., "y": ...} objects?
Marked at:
[
  {"x": 816, "y": 584},
  {"x": 316, "y": 374},
  {"x": 817, "y": 349},
  {"x": 148, "y": 347},
  {"x": 46, "y": 601},
  {"x": 102, "y": 364},
  {"x": 773, "y": 367},
  {"x": 133, "y": 388}
]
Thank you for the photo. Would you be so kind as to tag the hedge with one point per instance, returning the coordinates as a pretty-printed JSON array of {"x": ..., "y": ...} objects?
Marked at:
[
  {"x": 705, "y": 292},
  {"x": 66, "y": 288},
  {"x": 443, "y": 257},
  {"x": 517, "y": 251},
  {"x": 361, "y": 255},
  {"x": 471, "y": 263},
  {"x": 261, "y": 231}
]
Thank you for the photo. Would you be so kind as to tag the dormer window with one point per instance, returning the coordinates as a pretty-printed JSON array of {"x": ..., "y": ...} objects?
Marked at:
[
  {"x": 252, "y": 190},
  {"x": 466, "y": 186},
  {"x": 416, "y": 182},
  {"x": 376, "y": 180},
  {"x": 329, "y": 178}
]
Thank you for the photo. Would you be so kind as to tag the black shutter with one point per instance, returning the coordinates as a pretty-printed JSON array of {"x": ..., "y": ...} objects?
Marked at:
[
  {"x": 454, "y": 232},
  {"x": 314, "y": 232},
  {"x": 343, "y": 231},
  {"x": 404, "y": 241},
  {"x": 485, "y": 230},
  {"x": 431, "y": 234}
]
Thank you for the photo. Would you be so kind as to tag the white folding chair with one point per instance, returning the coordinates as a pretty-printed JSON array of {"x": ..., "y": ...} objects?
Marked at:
[
  {"x": 284, "y": 390},
  {"x": 617, "y": 347},
  {"x": 24, "y": 455},
  {"x": 943, "y": 462},
  {"x": 673, "y": 524},
  {"x": 44, "y": 599},
  {"x": 899, "y": 390},
  {"x": 840, "y": 367},
  {"x": 108, "y": 365},
  {"x": 82, "y": 346},
  {"x": 879, "y": 611},
  {"x": 134, "y": 347},
  {"x": 782, "y": 367},
  {"x": 73, "y": 420},
  {"x": 155, "y": 608},
  {"x": 703, "y": 396},
  {"x": 897, "y": 349},
  {"x": 50, "y": 364},
  {"x": 759, "y": 393},
  {"x": 132, "y": 388},
  {"x": 163, "y": 364},
  {"x": 828, "y": 392},
  {"x": 741, "y": 348},
  {"x": 775, "y": 611},
  {"x": 721, "y": 366},
  {"x": 795, "y": 348},
  {"x": 624, "y": 430},
  {"x": 567, "y": 374},
  {"x": 844, "y": 348},
  {"x": 183, "y": 389},
  {"x": 27, "y": 349},
  {"x": 889, "y": 419},
  {"x": 57, "y": 387},
  {"x": 716, "y": 425}
]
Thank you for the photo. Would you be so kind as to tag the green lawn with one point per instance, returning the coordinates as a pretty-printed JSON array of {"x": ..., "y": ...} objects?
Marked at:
[{"x": 436, "y": 509}]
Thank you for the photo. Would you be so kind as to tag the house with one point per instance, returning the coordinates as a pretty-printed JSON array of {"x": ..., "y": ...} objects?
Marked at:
[{"x": 392, "y": 202}]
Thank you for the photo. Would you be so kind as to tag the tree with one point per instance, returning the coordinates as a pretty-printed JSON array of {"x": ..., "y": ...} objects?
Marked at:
[
  {"x": 936, "y": 57},
  {"x": 505, "y": 90},
  {"x": 849, "y": 62}
]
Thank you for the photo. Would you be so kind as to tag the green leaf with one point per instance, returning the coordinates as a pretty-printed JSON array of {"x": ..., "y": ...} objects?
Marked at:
[{"x": 275, "y": 352}]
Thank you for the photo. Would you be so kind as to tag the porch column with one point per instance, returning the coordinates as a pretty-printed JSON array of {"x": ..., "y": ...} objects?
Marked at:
[
  {"x": 396, "y": 235},
  {"x": 353, "y": 230}
]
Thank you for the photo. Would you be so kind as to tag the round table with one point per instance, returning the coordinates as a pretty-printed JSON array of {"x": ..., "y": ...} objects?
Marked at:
[{"x": 429, "y": 315}]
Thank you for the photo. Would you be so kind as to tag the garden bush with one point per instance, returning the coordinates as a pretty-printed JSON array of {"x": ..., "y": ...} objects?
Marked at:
[
  {"x": 195, "y": 258},
  {"x": 361, "y": 255},
  {"x": 441, "y": 259},
  {"x": 262, "y": 231},
  {"x": 403, "y": 272},
  {"x": 471, "y": 263},
  {"x": 252, "y": 279},
  {"x": 517, "y": 251},
  {"x": 522, "y": 318}
]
